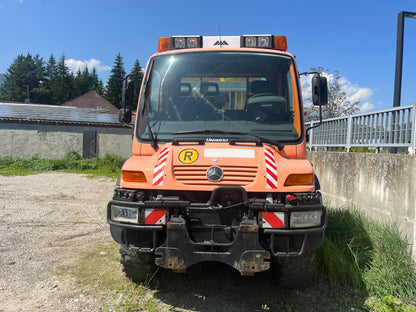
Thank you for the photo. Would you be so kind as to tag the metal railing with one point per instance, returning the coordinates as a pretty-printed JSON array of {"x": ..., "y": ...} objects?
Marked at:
[{"x": 389, "y": 128}]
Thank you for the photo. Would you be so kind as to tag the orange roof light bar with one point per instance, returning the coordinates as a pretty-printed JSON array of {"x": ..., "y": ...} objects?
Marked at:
[
  {"x": 280, "y": 43},
  {"x": 164, "y": 44},
  {"x": 246, "y": 41},
  {"x": 264, "y": 41}
]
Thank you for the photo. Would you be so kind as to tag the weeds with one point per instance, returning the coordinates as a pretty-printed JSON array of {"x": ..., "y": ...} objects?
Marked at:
[
  {"x": 108, "y": 165},
  {"x": 372, "y": 257},
  {"x": 369, "y": 255}
]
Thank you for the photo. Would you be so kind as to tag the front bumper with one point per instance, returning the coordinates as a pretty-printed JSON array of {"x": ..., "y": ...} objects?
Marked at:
[{"x": 249, "y": 250}]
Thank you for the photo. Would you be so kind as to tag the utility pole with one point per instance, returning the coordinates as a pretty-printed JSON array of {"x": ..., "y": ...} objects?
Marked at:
[
  {"x": 399, "y": 56},
  {"x": 399, "y": 67}
]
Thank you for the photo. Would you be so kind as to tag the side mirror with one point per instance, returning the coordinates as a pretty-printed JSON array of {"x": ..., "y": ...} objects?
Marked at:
[
  {"x": 128, "y": 93},
  {"x": 319, "y": 90},
  {"x": 124, "y": 115}
]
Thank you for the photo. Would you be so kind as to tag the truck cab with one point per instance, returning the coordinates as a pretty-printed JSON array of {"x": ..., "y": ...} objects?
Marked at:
[{"x": 219, "y": 169}]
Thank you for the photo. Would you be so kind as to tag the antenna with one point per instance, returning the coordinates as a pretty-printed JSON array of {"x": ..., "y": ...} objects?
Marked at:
[{"x": 219, "y": 32}]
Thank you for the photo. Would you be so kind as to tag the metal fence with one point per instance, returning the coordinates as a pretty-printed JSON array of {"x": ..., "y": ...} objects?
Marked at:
[{"x": 383, "y": 129}]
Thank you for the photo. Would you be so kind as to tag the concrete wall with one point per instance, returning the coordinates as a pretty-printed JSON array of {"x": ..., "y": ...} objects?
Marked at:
[
  {"x": 54, "y": 144},
  {"x": 381, "y": 185}
]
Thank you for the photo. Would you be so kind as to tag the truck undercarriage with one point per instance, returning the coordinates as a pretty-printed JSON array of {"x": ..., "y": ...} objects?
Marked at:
[{"x": 227, "y": 227}]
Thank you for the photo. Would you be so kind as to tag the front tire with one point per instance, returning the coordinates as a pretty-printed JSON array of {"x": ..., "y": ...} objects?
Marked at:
[{"x": 139, "y": 267}]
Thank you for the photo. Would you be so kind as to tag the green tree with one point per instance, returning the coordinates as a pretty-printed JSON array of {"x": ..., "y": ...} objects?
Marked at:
[
  {"x": 115, "y": 82},
  {"x": 137, "y": 75},
  {"x": 96, "y": 83},
  {"x": 25, "y": 73},
  {"x": 81, "y": 82},
  {"x": 50, "y": 69},
  {"x": 338, "y": 104},
  {"x": 61, "y": 83}
]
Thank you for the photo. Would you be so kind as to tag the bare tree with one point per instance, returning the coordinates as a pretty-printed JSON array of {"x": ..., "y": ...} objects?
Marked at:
[{"x": 338, "y": 104}]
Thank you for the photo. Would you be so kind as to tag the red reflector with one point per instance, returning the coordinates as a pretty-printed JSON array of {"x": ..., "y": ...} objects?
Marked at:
[
  {"x": 273, "y": 220},
  {"x": 155, "y": 216}
]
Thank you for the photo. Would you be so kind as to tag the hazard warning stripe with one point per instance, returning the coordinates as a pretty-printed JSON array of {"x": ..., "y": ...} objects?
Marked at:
[
  {"x": 154, "y": 216},
  {"x": 271, "y": 169},
  {"x": 273, "y": 220},
  {"x": 159, "y": 171}
]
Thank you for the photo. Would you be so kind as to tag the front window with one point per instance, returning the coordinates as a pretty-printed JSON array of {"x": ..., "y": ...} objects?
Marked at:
[{"x": 225, "y": 94}]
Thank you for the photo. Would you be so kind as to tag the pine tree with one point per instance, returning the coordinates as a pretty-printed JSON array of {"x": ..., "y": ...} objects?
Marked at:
[
  {"x": 96, "y": 83},
  {"x": 137, "y": 75},
  {"x": 62, "y": 83},
  {"x": 23, "y": 75},
  {"x": 40, "y": 92},
  {"x": 50, "y": 70},
  {"x": 115, "y": 82}
]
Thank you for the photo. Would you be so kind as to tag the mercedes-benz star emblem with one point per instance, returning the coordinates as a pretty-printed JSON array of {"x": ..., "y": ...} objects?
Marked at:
[{"x": 215, "y": 174}]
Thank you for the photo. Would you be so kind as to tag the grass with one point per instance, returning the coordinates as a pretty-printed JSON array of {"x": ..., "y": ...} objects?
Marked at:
[
  {"x": 72, "y": 162},
  {"x": 205, "y": 287},
  {"x": 99, "y": 268},
  {"x": 370, "y": 256},
  {"x": 368, "y": 265}
]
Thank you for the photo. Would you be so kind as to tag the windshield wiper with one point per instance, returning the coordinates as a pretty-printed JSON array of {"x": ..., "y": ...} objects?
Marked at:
[
  {"x": 258, "y": 139},
  {"x": 153, "y": 139}
]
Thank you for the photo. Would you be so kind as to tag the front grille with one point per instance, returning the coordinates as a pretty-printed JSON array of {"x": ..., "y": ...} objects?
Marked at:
[{"x": 197, "y": 175}]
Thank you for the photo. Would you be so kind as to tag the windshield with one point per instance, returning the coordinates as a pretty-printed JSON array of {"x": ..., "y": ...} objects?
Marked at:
[{"x": 232, "y": 94}]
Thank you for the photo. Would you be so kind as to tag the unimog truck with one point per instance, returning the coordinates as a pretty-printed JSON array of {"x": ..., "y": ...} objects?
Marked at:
[{"x": 218, "y": 171}]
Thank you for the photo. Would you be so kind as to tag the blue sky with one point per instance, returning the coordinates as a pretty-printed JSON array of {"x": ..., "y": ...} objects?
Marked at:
[{"x": 357, "y": 38}]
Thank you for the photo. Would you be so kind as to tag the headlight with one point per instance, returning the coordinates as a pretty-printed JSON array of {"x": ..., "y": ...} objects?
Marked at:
[
  {"x": 124, "y": 214},
  {"x": 305, "y": 219}
]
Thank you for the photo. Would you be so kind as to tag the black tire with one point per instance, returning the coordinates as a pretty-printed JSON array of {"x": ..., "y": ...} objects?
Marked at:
[
  {"x": 139, "y": 267},
  {"x": 294, "y": 272}
]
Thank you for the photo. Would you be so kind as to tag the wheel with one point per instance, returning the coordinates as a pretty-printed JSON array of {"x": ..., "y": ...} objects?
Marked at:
[
  {"x": 139, "y": 267},
  {"x": 294, "y": 272}
]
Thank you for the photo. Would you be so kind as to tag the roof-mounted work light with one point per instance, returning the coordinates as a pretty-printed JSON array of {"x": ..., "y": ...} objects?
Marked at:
[
  {"x": 179, "y": 42},
  {"x": 264, "y": 41}
]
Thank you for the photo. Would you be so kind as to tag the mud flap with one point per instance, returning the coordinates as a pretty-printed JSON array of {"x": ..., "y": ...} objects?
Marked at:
[{"x": 244, "y": 254}]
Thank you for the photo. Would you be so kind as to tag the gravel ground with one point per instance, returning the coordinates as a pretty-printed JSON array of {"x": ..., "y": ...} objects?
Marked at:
[
  {"x": 48, "y": 220},
  {"x": 45, "y": 221}
]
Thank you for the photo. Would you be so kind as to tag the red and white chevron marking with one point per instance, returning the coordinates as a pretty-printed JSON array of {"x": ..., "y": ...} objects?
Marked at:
[
  {"x": 159, "y": 171},
  {"x": 273, "y": 220},
  {"x": 155, "y": 216},
  {"x": 271, "y": 169}
]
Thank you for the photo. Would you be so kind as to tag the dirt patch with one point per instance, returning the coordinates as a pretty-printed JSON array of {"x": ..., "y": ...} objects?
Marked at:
[
  {"x": 46, "y": 220},
  {"x": 50, "y": 223}
]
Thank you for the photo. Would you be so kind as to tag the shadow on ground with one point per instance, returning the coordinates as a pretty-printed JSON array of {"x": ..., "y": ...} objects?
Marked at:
[{"x": 217, "y": 287}]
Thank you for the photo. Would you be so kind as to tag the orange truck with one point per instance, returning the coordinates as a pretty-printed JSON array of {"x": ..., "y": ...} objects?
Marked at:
[{"x": 218, "y": 171}]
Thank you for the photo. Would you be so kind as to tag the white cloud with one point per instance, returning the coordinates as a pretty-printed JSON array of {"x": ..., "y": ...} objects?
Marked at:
[
  {"x": 74, "y": 65},
  {"x": 366, "y": 107},
  {"x": 352, "y": 91}
]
